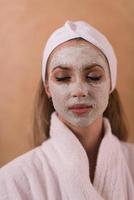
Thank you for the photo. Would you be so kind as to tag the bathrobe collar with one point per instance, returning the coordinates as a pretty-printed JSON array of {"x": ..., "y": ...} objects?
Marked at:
[{"x": 111, "y": 173}]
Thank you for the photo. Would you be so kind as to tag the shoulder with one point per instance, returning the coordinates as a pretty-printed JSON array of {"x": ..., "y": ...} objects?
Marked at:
[
  {"x": 128, "y": 151},
  {"x": 20, "y": 162},
  {"x": 31, "y": 159}
]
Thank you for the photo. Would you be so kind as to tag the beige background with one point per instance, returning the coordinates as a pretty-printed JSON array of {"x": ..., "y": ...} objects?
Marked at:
[{"x": 24, "y": 28}]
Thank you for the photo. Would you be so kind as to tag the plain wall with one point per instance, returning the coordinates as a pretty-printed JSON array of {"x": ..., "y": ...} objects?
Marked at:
[{"x": 24, "y": 28}]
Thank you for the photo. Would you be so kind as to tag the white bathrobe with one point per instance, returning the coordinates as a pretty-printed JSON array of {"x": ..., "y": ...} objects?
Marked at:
[{"x": 59, "y": 169}]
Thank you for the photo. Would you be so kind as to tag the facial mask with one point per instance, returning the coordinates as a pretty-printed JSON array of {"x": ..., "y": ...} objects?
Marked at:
[{"x": 78, "y": 90}]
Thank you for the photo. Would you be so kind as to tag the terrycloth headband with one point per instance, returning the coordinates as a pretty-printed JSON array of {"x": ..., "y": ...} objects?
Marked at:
[{"x": 81, "y": 29}]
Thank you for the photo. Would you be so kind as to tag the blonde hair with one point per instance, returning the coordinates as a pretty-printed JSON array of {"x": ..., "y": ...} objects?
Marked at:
[{"x": 43, "y": 109}]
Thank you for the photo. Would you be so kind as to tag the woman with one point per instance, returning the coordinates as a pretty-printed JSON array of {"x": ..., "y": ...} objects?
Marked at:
[{"x": 84, "y": 154}]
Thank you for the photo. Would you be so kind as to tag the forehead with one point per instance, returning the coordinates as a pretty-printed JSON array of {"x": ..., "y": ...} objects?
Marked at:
[
  {"x": 75, "y": 42},
  {"x": 76, "y": 50}
]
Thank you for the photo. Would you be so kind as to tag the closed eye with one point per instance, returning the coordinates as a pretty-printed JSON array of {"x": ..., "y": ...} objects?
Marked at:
[
  {"x": 94, "y": 78},
  {"x": 63, "y": 78}
]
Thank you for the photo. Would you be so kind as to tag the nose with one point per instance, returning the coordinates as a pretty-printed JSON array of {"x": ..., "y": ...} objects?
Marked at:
[{"x": 79, "y": 91}]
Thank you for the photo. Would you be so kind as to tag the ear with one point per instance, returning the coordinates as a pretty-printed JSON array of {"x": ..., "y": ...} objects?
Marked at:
[{"x": 46, "y": 87}]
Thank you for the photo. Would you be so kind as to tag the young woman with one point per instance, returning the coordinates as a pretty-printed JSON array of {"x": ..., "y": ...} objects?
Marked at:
[{"x": 84, "y": 154}]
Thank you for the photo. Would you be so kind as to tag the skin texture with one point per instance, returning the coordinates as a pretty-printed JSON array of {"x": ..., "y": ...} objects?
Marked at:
[
  {"x": 79, "y": 87},
  {"x": 82, "y": 63}
]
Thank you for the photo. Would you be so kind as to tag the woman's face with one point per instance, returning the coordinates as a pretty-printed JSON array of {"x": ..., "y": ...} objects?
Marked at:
[{"x": 78, "y": 82}]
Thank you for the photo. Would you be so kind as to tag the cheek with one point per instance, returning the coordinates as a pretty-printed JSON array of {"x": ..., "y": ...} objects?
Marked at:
[
  {"x": 58, "y": 92},
  {"x": 101, "y": 94},
  {"x": 99, "y": 90}
]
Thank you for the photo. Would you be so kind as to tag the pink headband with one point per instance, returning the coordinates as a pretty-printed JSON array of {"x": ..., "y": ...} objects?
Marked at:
[{"x": 81, "y": 29}]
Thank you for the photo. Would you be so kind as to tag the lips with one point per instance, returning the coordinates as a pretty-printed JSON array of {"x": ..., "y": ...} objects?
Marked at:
[{"x": 80, "y": 108}]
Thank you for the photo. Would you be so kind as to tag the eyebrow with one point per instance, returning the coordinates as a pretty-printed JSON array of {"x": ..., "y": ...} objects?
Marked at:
[{"x": 87, "y": 67}]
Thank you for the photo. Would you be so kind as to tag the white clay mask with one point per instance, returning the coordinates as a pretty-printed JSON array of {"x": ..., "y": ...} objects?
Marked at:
[{"x": 79, "y": 74}]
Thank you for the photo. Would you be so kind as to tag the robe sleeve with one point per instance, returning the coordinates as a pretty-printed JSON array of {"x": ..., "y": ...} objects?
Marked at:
[
  {"x": 28, "y": 177},
  {"x": 13, "y": 184}
]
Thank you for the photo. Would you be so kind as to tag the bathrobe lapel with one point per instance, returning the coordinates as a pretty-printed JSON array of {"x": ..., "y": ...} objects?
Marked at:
[{"x": 112, "y": 178}]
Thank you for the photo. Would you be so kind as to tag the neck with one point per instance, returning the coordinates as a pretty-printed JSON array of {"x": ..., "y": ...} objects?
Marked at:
[{"x": 90, "y": 137}]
